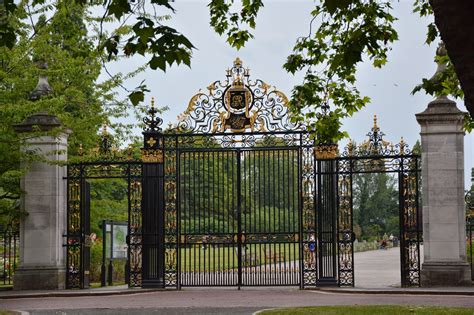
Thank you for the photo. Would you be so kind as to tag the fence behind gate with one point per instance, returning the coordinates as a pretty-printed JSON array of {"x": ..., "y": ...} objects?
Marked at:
[
  {"x": 470, "y": 250},
  {"x": 10, "y": 255}
]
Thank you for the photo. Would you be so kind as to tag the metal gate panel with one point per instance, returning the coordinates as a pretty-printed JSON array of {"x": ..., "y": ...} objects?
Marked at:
[
  {"x": 208, "y": 212},
  {"x": 270, "y": 217},
  {"x": 345, "y": 234},
  {"x": 327, "y": 237},
  {"x": 240, "y": 217},
  {"x": 410, "y": 225}
]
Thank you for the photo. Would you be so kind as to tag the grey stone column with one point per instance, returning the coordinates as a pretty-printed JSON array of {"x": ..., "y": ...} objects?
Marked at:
[
  {"x": 42, "y": 255},
  {"x": 444, "y": 230}
]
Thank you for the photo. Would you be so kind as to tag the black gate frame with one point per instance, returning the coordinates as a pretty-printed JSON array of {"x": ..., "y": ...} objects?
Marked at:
[
  {"x": 379, "y": 156},
  {"x": 104, "y": 163},
  {"x": 324, "y": 187},
  {"x": 176, "y": 144}
]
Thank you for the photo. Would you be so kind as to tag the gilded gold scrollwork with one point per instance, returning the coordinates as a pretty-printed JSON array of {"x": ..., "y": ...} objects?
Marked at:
[{"x": 238, "y": 104}]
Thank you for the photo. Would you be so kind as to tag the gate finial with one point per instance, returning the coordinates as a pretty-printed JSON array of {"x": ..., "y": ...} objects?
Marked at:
[
  {"x": 152, "y": 122},
  {"x": 105, "y": 144},
  {"x": 104, "y": 128},
  {"x": 152, "y": 151},
  {"x": 238, "y": 62}
]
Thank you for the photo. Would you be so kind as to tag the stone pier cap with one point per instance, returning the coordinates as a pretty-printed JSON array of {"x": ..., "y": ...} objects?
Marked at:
[
  {"x": 41, "y": 121},
  {"x": 440, "y": 110}
]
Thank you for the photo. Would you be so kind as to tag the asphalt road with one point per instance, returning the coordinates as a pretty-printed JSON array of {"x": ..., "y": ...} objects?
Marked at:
[{"x": 218, "y": 301}]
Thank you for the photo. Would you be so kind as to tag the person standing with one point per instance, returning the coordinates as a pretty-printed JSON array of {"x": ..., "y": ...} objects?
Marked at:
[{"x": 312, "y": 250}]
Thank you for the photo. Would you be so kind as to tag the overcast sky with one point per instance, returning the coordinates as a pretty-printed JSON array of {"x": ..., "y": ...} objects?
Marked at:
[{"x": 278, "y": 25}]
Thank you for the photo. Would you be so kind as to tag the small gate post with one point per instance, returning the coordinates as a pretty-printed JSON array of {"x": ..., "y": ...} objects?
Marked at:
[
  {"x": 153, "y": 203},
  {"x": 42, "y": 255},
  {"x": 444, "y": 222}
]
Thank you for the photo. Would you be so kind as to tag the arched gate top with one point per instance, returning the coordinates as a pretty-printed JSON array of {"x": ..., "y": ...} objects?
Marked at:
[{"x": 237, "y": 104}]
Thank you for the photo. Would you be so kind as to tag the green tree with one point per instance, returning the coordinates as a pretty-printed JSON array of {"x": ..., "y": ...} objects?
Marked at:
[
  {"x": 77, "y": 97},
  {"x": 109, "y": 201},
  {"x": 375, "y": 205},
  {"x": 342, "y": 34}
]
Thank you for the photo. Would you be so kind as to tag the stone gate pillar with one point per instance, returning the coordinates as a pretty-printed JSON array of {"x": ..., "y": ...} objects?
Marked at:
[
  {"x": 42, "y": 254},
  {"x": 444, "y": 230}
]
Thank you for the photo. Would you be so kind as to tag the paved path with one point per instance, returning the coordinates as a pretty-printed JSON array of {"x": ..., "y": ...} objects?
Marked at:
[
  {"x": 218, "y": 301},
  {"x": 378, "y": 268}
]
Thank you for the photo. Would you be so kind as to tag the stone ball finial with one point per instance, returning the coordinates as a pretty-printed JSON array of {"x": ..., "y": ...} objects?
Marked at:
[
  {"x": 42, "y": 87},
  {"x": 440, "y": 52}
]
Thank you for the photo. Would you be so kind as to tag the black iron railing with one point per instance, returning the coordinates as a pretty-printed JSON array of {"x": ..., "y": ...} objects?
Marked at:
[{"x": 9, "y": 255}]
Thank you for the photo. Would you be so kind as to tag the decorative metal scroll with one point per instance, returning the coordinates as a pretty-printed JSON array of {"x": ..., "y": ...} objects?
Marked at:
[
  {"x": 135, "y": 226},
  {"x": 411, "y": 231},
  {"x": 171, "y": 215},
  {"x": 309, "y": 217},
  {"x": 375, "y": 145},
  {"x": 74, "y": 229},
  {"x": 237, "y": 104},
  {"x": 344, "y": 230},
  {"x": 105, "y": 151}
]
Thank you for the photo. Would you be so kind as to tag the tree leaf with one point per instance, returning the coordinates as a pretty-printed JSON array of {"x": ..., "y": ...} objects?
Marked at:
[
  {"x": 158, "y": 62},
  {"x": 136, "y": 97}
]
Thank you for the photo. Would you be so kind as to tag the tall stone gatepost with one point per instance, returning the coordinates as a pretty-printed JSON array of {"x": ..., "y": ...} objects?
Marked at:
[
  {"x": 444, "y": 226},
  {"x": 42, "y": 256}
]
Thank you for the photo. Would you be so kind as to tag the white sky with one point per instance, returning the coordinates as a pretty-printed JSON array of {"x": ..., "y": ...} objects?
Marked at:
[{"x": 278, "y": 25}]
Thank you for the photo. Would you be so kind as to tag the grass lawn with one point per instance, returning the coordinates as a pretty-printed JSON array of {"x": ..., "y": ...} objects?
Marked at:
[
  {"x": 470, "y": 251},
  {"x": 363, "y": 310},
  {"x": 224, "y": 258},
  {"x": 94, "y": 285},
  {"x": 6, "y": 286}
]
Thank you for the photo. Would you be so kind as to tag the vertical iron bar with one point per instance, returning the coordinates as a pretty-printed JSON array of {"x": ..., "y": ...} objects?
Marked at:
[
  {"x": 129, "y": 210},
  {"x": 402, "y": 226},
  {"x": 178, "y": 214},
  {"x": 4, "y": 234},
  {"x": 417, "y": 218},
  {"x": 104, "y": 244},
  {"x": 239, "y": 220},
  {"x": 300, "y": 215},
  {"x": 352, "y": 222}
]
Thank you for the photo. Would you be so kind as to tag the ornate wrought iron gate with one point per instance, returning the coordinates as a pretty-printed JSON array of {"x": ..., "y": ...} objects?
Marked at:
[
  {"x": 378, "y": 156},
  {"x": 240, "y": 216},
  {"x": 238, "y": 195},
  {"x": 78, "y": 216}
]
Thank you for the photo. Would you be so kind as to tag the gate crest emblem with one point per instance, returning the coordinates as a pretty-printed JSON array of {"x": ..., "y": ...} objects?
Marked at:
[
  {"x": 237, "y": 100},
  {"x": 237, "y": 104}
]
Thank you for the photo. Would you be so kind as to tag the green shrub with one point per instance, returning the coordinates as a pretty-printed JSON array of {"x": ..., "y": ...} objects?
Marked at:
[{"x": 118, "y": 274}]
